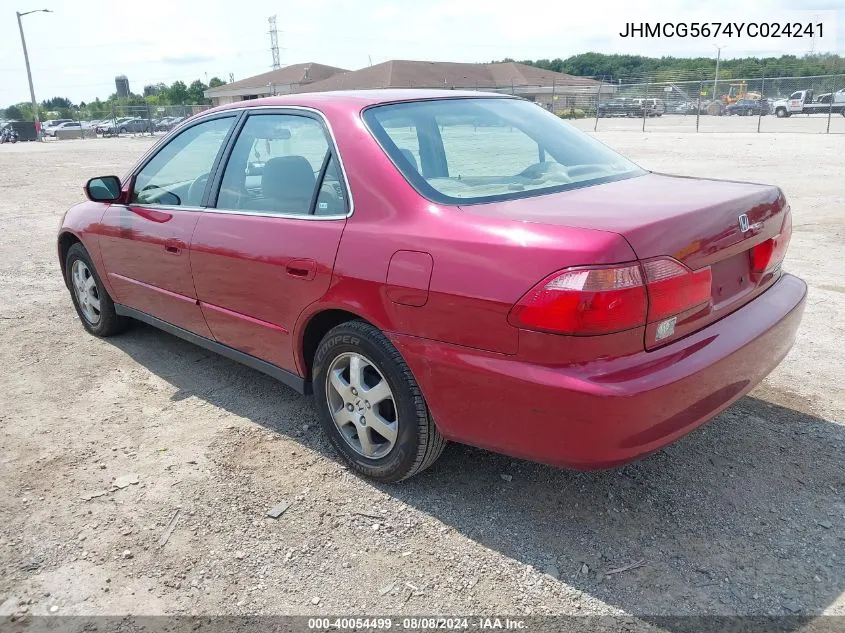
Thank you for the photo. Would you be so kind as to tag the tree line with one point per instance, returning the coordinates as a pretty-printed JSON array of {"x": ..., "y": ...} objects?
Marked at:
[
  {"x": 632, "y": 68},
  {"x": 176, "y": 94}
]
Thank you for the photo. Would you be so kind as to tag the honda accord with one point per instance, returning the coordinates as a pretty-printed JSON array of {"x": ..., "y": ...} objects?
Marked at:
[{"x": 444, "y": 265}]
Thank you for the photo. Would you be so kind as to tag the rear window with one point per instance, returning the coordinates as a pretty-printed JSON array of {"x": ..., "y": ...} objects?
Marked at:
[{"x": 465, "y": 151}]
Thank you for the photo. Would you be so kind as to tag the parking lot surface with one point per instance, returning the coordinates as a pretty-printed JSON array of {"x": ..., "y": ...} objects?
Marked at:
[{"x": 136, "y": 472}]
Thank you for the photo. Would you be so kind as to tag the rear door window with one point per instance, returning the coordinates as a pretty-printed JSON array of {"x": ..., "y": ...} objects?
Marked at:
[{"x": 282, "y": 164}]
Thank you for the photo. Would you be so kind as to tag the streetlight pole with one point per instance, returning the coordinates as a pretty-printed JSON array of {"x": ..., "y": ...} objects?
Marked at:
[
  {"x": 718, "y": 58},
  {"x": 28, "y": 70}
]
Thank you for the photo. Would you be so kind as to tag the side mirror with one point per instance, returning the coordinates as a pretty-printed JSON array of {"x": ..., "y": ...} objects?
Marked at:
[{"x": 103, "y": 189}]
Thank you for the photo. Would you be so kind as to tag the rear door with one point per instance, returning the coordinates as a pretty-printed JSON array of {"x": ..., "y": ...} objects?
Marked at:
[
  {"x": 144, "y": 244},
  {"x": 265, "y": 248}
]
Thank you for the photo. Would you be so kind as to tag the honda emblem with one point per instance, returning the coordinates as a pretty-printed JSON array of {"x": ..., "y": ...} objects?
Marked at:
[{"x": 743, "y": 223}]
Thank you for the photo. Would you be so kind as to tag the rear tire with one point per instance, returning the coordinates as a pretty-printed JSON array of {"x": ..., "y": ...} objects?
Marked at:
[
  {"x": 411, "y": 443},
  {"x": 90, "y": 298}
]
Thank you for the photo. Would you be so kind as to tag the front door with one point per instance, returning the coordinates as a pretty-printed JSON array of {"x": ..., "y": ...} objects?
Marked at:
[
  {"x": 266, "y": 249},
  {"x": 144, "y": 244}
]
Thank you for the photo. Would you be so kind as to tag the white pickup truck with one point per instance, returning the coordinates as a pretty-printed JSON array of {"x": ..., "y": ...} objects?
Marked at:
[{"x": 801, "y": 102}]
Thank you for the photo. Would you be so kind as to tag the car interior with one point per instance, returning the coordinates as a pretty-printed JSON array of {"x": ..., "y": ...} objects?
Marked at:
[{"x": 263, "y": 173}]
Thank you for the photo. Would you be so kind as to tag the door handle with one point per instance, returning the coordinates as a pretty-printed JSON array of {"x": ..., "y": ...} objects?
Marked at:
[
  {"x": 174, "y": 246},
  {"x": 305, "y": 269}
]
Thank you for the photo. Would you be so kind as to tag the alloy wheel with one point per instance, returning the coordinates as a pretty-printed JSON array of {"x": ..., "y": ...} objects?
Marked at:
[
  {"x": 362, "y": 405},
  {"x": 85, "y": 288}
]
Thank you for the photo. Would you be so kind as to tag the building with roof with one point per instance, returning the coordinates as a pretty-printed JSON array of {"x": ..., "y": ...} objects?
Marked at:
[
  {"x": 556, "y": 91},
  {"x": 276, "y": 82}
]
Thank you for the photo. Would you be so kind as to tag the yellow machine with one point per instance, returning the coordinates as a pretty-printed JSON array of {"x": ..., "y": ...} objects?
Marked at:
[{"x": 739, "y": 91}]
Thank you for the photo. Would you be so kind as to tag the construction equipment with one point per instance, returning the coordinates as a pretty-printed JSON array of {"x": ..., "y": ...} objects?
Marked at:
[{"x": 739, "y": 91}]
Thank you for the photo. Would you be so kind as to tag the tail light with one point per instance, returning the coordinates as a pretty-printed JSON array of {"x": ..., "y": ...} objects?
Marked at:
[
  {"x": 768, "y": 255},
  {"x": 673, "y": 288},
  {"x": 584, "y": 301},
  {"x": 602, "y": 300}
]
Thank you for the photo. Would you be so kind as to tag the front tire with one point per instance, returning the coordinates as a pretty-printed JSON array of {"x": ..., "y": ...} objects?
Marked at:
[
  {"x": 370, "y": 405},
  {"x": 91, "y": 300}
]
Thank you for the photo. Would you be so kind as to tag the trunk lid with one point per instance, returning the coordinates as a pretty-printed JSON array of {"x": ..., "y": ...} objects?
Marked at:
[{"x": 696, "y": 221}]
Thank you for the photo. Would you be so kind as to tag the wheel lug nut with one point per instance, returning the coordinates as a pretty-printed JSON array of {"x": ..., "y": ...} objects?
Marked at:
[
  {"x": 354, "y": 391},
  {"x": 350, "y": 407},
  {"x": 367, "y": 403},
  {"x": 363, "y": 421}
]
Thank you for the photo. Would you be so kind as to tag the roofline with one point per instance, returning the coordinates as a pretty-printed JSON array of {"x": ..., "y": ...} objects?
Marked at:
[{"x": 313, "y": 100}]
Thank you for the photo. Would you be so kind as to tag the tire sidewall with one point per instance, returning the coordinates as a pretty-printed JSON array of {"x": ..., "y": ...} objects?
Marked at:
[
  {"x": 402, "y": 456},
  {"x": 78, "y": 252}
]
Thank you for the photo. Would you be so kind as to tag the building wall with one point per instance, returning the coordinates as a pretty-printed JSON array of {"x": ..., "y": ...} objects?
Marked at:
[{"x": 224, "y": 100}]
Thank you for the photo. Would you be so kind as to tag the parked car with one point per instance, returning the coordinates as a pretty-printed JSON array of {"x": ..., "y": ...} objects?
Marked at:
[
  {"x": 130, "y": 126},
  {"x": 107, "y": 125},
  {"x": 653, "y": 107},
  {"x": 748, "y": 107},
  {"x": 685, "y": 107},
  {"x": 619, "y": 107},
  {"x": 168, "y": 123},
  {"x": 48, "y": 126},
  {"x": 66, "y": 125},
  {"x": 525, "y": 289}
]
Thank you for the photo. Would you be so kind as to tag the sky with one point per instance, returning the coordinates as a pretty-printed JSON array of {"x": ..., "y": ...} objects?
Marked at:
[{"x": 77, "y": 50}]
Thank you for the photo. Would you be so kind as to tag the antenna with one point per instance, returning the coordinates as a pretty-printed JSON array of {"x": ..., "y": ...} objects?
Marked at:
[
  {"x": 274, "y": 42},
  {"x": 231, "y": 78},
  {"x": 371, "y": 59}
]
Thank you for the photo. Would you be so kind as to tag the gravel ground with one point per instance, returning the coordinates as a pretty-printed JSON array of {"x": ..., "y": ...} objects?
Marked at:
[{"x": 106, "y": 444}]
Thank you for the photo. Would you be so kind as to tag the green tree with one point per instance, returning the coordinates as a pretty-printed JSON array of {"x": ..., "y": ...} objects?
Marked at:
[
  {"x": 58, "y": 103},
  {"x": 216, "y": 82},
  {"x": 634, "y": 68},
  {"x": 177, "y": 93},
  {"x": 195, "y": 92},
  {"x": 14, "y": 113}
]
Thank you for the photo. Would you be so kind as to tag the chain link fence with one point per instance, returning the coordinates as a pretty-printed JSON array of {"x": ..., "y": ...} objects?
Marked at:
[
  {"x": 114, "y": 120},
  {"x": 813, "y": 104},
  {"x": 778, "y": 104}
]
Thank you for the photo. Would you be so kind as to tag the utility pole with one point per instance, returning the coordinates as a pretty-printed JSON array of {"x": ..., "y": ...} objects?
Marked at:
[
  {"x": 28, "y": 70},
  {"x": 274, "y": 42},
  {"x": 718, "y": 58}
]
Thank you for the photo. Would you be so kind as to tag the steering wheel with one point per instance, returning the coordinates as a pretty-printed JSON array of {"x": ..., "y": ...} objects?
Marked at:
[{"x": 197, "y": 188}]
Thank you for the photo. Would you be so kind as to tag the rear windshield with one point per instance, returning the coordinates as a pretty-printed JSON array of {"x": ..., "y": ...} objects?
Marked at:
[{"x": 465, "y": 151}]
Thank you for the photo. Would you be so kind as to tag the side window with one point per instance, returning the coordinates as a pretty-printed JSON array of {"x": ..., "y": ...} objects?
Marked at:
[
  {"x": 274, "y": 167},
  {"x": 332, "y": 197},
  {"x": 176, "y": 176}
]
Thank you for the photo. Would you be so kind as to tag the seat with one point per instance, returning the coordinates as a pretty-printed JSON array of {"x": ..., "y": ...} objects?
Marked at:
[
  {"x": 409, "y": 157},
  {"x": 287, "y": 185}
]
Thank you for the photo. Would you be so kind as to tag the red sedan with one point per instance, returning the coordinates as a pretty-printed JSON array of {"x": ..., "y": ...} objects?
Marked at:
[{"x": 438, "y": 265}]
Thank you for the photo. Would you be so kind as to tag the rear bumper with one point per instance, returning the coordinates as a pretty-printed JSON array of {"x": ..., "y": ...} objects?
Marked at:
[{"x": 607, "y": 412}]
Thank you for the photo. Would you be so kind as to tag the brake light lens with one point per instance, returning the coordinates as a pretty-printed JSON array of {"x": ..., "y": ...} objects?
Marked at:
[
  {"x": 768, "y": 255},
  {"x": 602, "y": 300},
  {"x": 673, "y": 288},
  {"x": 584, "y": 301}
]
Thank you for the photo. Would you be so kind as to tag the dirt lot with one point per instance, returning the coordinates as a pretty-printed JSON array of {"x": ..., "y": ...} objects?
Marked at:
[{"x": 746, "y": 515}]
